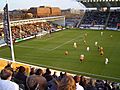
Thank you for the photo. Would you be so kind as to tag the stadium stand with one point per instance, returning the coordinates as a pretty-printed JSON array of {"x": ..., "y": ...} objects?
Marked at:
[
  {"x": 114, "y": 18},
  {"x": 26, "y": 31},
  {"x": 104, "y": 17},
  {"x": 100, "y": 18},
  {"x": 95, "y": 17}
]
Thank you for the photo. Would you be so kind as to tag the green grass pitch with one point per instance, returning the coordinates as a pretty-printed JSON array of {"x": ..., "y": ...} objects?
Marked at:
[{"x": 49, "y": 52}]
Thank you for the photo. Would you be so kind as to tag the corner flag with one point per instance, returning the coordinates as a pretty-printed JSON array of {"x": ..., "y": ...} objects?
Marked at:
[{"x": 7, "y": 31}]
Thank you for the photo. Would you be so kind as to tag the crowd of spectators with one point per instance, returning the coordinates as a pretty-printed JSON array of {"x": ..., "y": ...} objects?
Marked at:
[
  {"x": 114, "y": 18},
  {"x": 39, "y": 79},
  {"x": 96, "y": 17},
  {"x": 27, "y": 30}
]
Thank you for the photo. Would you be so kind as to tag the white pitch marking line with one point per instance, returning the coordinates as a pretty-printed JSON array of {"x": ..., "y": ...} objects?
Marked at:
[
  {"x": 65, "y": 43},
  {"x": 33, "y": 47}
]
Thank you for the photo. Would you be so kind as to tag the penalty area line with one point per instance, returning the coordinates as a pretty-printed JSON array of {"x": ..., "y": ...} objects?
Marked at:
[{"x": 65, "y": 43}]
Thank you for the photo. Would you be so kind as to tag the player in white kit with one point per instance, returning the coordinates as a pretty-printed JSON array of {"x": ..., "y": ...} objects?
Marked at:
[
  {"x": 106, "y": 60},
  {"x": 75, "y": 45},
  {"x": 88, "y": 48}
]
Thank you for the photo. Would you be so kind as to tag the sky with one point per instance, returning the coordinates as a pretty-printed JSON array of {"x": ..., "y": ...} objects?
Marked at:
[{"x": 26, "y": 4}]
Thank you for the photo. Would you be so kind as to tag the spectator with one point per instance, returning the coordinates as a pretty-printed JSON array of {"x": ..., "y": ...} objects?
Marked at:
[
  {"x": 67, "y": 83},
  {"x": 82, "y": 81},
  {"x": 107, "y": 86},
  {"x": 20, "y": 77},
  {"x": 90, "y": 85},
  {"x": 37, "y": 81},
  {"x": 32, "y": 71},
  {"x": 9, "y": 66},
  {"x": 54, "y": 75},
  {"x": 100, "y": 85},
  {"x": 5, "y": 83},
  {"x": 53, "y": 84},
  {"x": 61, "y": 76},
  {"x": 48, "y": 75},
  {"x": 77, "y": 81}
]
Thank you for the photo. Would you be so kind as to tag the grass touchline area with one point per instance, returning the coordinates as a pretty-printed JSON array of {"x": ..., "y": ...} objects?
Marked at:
[{"x": 75, "y": 72}]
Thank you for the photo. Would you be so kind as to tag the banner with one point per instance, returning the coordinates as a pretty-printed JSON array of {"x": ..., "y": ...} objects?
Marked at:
[
  {"x": 6, "y": 25},
  {"x": 7, "y": 31}
]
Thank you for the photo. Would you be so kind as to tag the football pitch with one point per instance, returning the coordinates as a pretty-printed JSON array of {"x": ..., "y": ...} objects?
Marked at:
[{"x": 49, "y": 51}]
